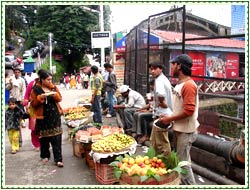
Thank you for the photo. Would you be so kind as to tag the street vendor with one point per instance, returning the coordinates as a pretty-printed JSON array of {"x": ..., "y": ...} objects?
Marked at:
[
  {"x": 185, "y": 113},
  {"x": 133, "y": 101}
]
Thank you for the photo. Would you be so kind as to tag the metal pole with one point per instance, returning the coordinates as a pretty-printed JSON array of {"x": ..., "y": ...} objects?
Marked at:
[
  {"x": 183, "y": 28},
  {"x": 148, "y": 52},
  {"x": 50, "y": 52},
  {"x": 101, "y": 22}
]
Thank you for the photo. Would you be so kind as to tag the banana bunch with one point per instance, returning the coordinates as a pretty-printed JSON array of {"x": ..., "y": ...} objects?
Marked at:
[{"x": 113, "y": 143}]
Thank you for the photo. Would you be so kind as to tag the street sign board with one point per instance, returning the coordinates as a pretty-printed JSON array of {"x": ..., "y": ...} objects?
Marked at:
[{"x": 100, "y": 39}]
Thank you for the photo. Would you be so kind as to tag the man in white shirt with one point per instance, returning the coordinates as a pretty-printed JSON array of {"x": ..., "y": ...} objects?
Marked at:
[
  {"x": 162, "y": 106},
  {"x": 133, "y": 101}
]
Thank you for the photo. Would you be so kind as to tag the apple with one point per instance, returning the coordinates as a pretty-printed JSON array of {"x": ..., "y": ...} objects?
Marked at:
[
  {"x": 159, "y": 161},
  {"x": 155, "y": 159},
  {"x": 162, "y": 165}
]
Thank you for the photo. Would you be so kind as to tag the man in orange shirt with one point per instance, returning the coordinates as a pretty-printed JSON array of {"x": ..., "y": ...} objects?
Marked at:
[{"x": 185, "y": 113}]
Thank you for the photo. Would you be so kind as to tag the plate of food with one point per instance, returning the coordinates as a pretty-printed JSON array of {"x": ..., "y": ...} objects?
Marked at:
[{"x": 49, "y": 93}]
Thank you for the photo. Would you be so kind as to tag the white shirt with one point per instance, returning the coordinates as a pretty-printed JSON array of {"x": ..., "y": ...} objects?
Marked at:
[
  {"x": 135, "y": 100},
  {"x": 163, "y": 88},
  {"x": 18, "y": 89}
]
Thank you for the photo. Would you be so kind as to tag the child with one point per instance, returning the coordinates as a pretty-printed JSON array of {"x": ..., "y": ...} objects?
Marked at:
[{"x": 13, "y": 116}]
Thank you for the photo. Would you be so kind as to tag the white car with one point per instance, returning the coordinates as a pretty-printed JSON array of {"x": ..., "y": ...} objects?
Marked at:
[
  {"x": 27, "y": 53},
  {"x": 10, "y": 61}
]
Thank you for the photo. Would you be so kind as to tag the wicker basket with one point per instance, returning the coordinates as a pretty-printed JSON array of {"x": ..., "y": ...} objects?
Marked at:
[
  {"x": 172, "y": 178},
  {"x": 78, "y": 150},
  {"x": 89, "y": 160},
  {"x": 105, "y": 174}
]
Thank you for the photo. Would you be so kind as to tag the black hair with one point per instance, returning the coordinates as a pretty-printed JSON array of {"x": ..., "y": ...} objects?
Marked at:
[
  {"x": 12, "y": 100},
  {"x": 94, "y": 69},
  {"x": 108, "y": 65},
  {"x": 16, "y": 69},
  {"x": 43, "y": 74},
  {"x": 185, "y": 69},
  {"x": 157, "y": 65}
]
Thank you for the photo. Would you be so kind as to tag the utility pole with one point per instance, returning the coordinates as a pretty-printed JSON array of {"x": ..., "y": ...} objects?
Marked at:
[
  {"x": 50, "y": 52},
  {"x": 101, "y": 23}
]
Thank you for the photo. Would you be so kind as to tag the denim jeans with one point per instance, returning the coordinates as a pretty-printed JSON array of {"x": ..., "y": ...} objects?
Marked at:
[
  {"x": 96, "y": 108},
  {"x": 112, "y": 102}
]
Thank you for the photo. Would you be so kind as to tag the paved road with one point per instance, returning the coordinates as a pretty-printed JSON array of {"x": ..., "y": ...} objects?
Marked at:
[{"x": 25, "y": 167}]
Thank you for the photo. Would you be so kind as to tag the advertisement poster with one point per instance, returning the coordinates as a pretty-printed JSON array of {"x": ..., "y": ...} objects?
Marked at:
[
  {"x": 216, "y": 65},
  {"x": 199, "y": 60},
  {"x": 232, "y": 65}
]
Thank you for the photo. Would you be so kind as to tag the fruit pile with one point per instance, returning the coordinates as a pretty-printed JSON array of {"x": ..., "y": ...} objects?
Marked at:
[
  {"x": 149, "y": 168},
  {"x": 75, "y": 110},
  {"x": 113, "y": 143},
  {"x": 76, "y": 113},
  {"x": 140, "y": 165}
]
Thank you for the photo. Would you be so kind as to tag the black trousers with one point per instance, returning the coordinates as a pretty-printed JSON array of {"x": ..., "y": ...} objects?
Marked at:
[{"x": 56, "y": 143}]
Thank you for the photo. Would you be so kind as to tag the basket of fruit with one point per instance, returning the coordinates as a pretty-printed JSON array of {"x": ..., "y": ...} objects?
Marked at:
[
  {"x": 111, "y": 146},
  {"x": 149, "y": 169}
]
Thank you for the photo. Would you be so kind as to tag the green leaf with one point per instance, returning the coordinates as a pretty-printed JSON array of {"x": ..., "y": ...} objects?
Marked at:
[
  {"x": 150, "y": 173},
  {"x": 180, "y": 170},
  {"x": 118, "y": 173},
  {"x": 144, "y": 178},
  {"x": 119, "y": 158},
  {"x": 114, "y": 163},
  {"x": 157, "y": 177},
  {"x": 151, "y": 152},
  {"x": 127, "y": 156},
  {"x": 172, "y": 161}
]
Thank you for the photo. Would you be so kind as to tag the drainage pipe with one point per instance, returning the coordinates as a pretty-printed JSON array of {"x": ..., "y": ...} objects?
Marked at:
[
  {"x": 232, "y": 151},
  {"x": 220, "y": 180}
]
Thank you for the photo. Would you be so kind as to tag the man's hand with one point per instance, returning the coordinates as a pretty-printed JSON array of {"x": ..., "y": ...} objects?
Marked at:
[
  {"x": 92, "y": 100},
  {"x": 119, "y": 106},
  {"x": 165, "y": 119}
]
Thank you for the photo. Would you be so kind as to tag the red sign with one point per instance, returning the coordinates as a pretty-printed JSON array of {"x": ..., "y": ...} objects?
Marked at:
[
  {"x": 199, "y": 60},
  {"x": 232, "y": 65}
]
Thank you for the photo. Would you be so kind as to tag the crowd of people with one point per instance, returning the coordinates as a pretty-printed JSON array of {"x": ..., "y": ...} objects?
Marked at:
[
  {"x": 75, "y": 81},
  {"x": 146, "y": 119}
]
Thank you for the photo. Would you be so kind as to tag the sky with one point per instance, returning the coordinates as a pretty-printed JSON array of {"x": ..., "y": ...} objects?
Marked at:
[{"x": 125, "y": 17}]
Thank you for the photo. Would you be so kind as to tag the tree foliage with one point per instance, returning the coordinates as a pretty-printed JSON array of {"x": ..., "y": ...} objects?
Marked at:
[{"x": 71, "y": 27}]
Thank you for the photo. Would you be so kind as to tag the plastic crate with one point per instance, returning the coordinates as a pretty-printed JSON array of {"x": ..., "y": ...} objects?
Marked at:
[{"x": 105, "y": 174}]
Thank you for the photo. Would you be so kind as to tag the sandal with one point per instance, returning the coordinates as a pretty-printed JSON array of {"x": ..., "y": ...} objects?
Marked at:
[
  {"x": 143, "y": 139},
  {"x": 59, "y": 164},
  {"x": 45, "y": 160}
]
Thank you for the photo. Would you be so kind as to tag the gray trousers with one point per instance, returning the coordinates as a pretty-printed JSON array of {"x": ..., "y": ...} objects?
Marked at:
[
  {"x": 182, "y": 143},
  {"x": 141, "y": 122},
  {"x": 129, "y": 116}
]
